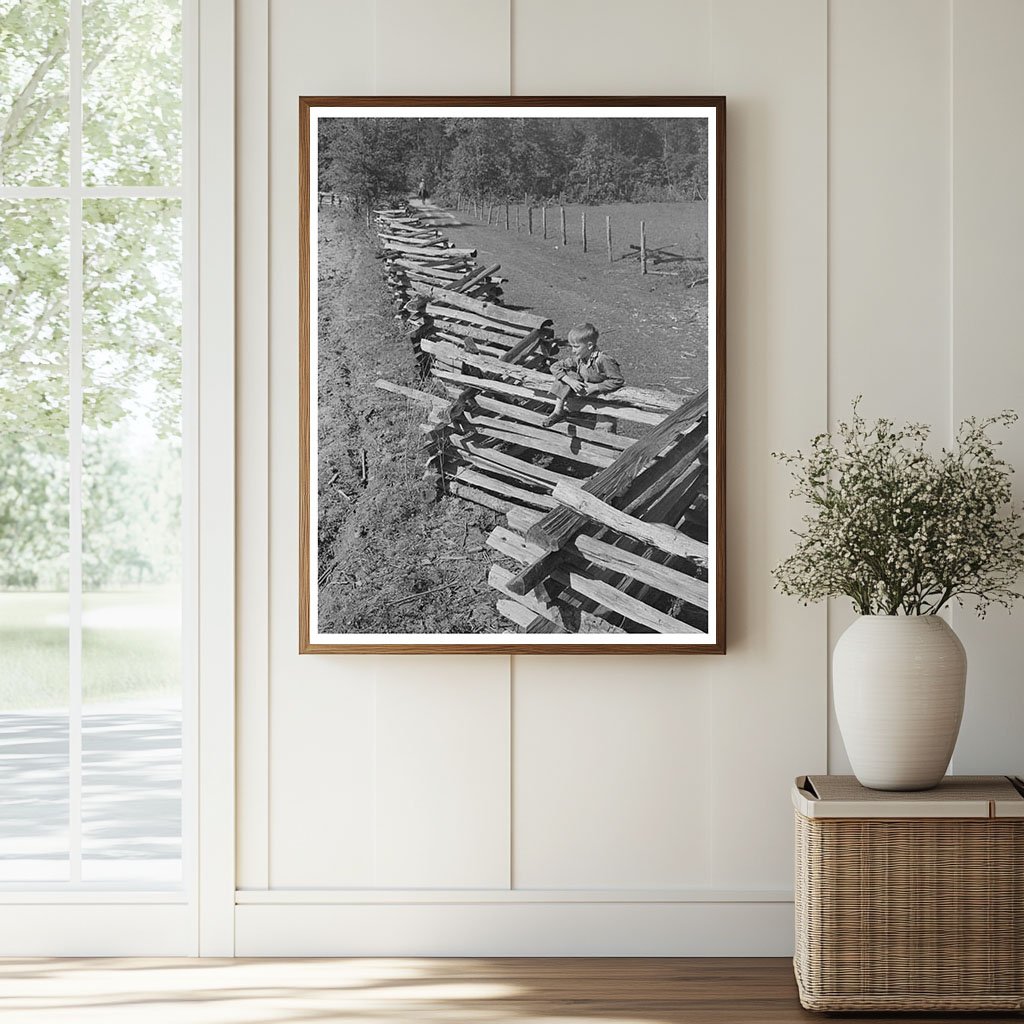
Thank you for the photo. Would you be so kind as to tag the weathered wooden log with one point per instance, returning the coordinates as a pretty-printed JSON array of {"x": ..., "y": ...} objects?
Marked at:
[
  {"x": 514, "y": 612},
  {"x": 438, "y": 309},
  {"x": 517, "y": 495},
  {"x": 679, "y": 462},
  {"x": 468, "y": 343},
  {"x": 431, "y": 401},
  {"x": 493, "y": 338},
  {"x": 627, "y": 413},
  {"x": 472, "y": 278},
  {"x": 561, "y": 525},
  {"x": 542, "y": 625},
  {"x": 501, "y": 313},
  {"x": 627, "y": 606},
  {"x": 433, "y": 251},
  {"x": 498, "y": 577},
  {"x": 539, "y": 474},
  {"x": 478, "y": 497},
  {"x": 521, "y": 519},
  {"x": 665, "y": 538},
  {"x": 521, "y": 349},
  {"x": 544, "y": 441},
  {"x": 416, "y": 241},
  {"x": 678, "y": 497},
  {"x": 503, "y": 471},
  {"x": 655, "y": 574},
  {"x": 512, "y": 546},
  {"x": 418, "y": 268},
  {"x": 638, "y": 398},
  {"x": 615, "y": 442}
]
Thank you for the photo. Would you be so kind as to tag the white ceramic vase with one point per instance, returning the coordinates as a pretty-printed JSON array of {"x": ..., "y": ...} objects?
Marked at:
[{"x": 898, "y": 684}]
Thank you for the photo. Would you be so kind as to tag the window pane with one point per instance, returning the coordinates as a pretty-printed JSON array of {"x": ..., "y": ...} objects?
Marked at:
[
  {"x": 131, "y": 541},
  {"x": 33, "y": 92},
  {"x": 131, "y": 92},
  {"x": 33, "y": 540}
]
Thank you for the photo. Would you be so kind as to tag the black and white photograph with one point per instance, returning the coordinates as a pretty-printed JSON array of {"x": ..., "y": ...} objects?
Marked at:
[{"x": 512, "y": 375}]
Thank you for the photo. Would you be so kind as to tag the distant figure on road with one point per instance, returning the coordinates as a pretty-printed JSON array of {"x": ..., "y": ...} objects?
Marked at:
[
  {"x": 422, "y": 190},
  {"x": 587, "y": 371}
]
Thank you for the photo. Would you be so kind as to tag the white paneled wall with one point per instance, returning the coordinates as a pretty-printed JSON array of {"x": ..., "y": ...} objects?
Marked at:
[
  {"x": 987, "y": 355},
  {"x": 889, "y": 198},
  {"x": 625, "y": 805}
]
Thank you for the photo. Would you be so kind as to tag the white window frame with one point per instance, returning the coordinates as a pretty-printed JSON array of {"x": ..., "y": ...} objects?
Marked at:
[{"x": 49, "y": 919}]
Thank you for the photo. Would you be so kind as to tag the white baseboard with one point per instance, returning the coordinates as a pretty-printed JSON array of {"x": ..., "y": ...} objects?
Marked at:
[
  {"x": 514, "y": 928},
  {"x": 99, "y": 928}
]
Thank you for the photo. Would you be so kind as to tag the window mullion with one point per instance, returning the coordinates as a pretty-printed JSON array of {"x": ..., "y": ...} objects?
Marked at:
[{"x": 75, "y": 336}]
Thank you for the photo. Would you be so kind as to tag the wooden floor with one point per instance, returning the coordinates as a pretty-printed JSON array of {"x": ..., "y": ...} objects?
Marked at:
[{"x": 382, "y": 991}]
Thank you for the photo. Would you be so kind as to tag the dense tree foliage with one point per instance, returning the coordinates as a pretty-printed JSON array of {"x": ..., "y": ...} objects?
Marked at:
[
  {"x": 580, "y": 160},
  {"x": 131, "y": 308}
]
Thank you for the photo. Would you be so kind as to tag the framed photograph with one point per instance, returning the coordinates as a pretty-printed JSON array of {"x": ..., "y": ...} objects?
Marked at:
[{"x": 512, "y": 374}]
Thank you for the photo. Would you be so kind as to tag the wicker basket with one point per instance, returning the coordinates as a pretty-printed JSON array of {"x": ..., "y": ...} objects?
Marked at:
[{"x": 910, "y": 901}]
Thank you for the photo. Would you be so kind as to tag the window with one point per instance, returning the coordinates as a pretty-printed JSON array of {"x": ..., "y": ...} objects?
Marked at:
[{"x": 96, "y": 470}]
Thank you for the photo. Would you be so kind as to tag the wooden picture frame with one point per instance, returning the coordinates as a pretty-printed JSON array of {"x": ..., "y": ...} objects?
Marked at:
[{"x": 597, "y": 490}]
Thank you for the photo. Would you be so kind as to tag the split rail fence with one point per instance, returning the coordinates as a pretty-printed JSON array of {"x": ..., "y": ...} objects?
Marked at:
[{"x": 606, "y": 510}]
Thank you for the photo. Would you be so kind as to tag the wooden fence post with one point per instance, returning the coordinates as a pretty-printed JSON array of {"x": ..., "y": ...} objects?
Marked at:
[
  {"x": 518, "y": 228},
  {"x": 544, "y": 217},
  {"x": 506, "y": 215},
  {"x": 608, "y": 235},
  {"x": 529, "y": 219},
  {"x": 643, "y": 249},
  {"x": 562, "y": 212},
  {"x": 583, "y": 228},
  {"x": 367, "y": 217}
]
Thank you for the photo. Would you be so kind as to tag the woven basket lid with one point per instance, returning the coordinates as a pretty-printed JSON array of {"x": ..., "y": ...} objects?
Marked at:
[{"x": 957, "y": 796}]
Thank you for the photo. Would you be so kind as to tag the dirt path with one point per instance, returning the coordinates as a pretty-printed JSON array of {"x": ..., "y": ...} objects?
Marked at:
[
  {"x": 393, "y": 558},
  {"x": 654, "y": 325}
]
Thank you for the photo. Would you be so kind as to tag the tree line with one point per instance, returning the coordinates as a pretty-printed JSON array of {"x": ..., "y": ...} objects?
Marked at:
[{"x": 569, "y": 160}]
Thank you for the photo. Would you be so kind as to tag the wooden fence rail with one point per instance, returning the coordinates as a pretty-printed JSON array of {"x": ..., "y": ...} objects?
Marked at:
[{"x": 603, "y": 531}]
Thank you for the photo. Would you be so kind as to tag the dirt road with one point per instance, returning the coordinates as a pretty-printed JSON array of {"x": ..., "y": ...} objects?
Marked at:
[{"x": 654, "y": 325}]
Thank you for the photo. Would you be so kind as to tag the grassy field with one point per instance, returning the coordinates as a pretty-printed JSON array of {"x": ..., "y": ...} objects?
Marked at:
[
  {"x": 130, "y": 647},
  {"x": 680, "y": 230}
]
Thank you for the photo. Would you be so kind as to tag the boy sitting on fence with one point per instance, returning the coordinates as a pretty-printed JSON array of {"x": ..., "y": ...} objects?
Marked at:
[{"x": 587, "y": 371}]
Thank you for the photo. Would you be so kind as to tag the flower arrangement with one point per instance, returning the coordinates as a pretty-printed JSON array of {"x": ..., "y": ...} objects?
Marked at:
[{"x": 898, "y": 529}]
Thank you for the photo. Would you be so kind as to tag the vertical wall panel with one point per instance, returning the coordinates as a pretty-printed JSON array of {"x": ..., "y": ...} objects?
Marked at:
[
  {"x": 321, "y": 708},
  {"x": 253, "y": 409},
  {"x": 769, "y": 692},
  {"x": 576, "y": 47},
  {"x": 442, "y": 762},
  {"x": 323, "y": 760},
  {"x": 889, "y": 208},
  {"x": 889, "y": 253},
  {"x": 444, "y": 48},
  {"x": 987, "y": 365},
  {"x": 611, "y": 755},
  {"x": 442, "y": 774},
  {"x": 612, "y": 783}
]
